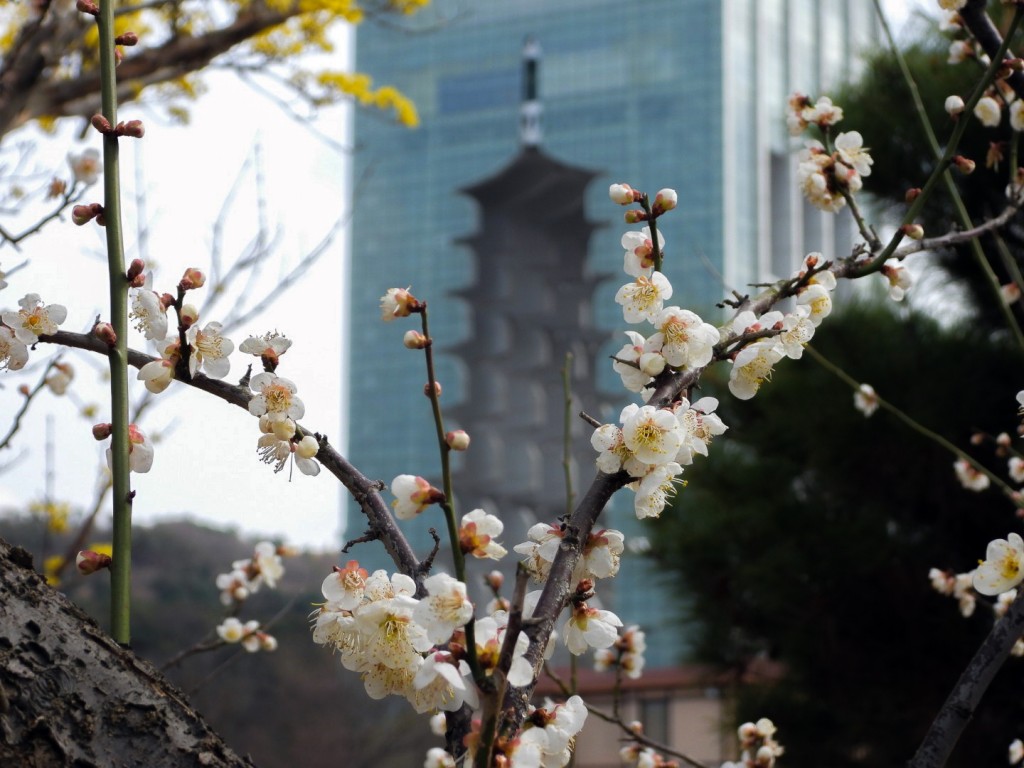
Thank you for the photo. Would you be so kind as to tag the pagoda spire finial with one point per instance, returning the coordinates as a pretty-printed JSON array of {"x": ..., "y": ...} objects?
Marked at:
[{"x": 530, "y": 110}]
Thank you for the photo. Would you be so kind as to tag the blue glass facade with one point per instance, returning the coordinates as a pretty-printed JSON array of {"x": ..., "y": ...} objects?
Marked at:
[{"x": 636, "y": 92}]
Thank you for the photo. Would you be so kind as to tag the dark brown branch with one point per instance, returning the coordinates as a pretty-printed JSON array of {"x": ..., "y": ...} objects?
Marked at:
[
  {"x": 366, "y": 492},
  {"x": 977, "y": 20},
  {"x": 958, "y": 709}
]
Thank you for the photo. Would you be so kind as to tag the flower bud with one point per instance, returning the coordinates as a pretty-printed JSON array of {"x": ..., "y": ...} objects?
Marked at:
[
  {"x": 101, "y": 124},
  {"x": 192, "y": 278},
  {"x": 284, "y": 429},
  {"x": 954, "y": 105},
  {"x": 133, "y": 128},
  {"x": 88, "y": 562},
  {"x": 135, "y": 269},
  {"x": 415, "y": 340},
  {"x": 83, "y": 214},
  {"x": 268, "y": 643},
  {"x": 812, "y": 259},
  {"x": 913, "y": 231},
  {"x": 437, "y": 389},
  {"x": 665, "y": 200},
  {"x": 101, "y": 431},
  {"x": 623, "y": 194},
  {"x": 635, "y": 216},
  {"x": 911, "y": 194},
  {"x": 105, "y": 333},
  {"x": 1010, "y": 293},
  {"x": 457, "y": 440},
  {"x": 167, "y": 300},
  {"x": 128, "y": 38},
  {"x": 494, "y": 580},
  {"x": 307, "y": 448},
  {"x": 87, "y": 6},
  {"x": 188, "y": 315},
  {"x": 24, "y": 390},
  {"x": 964, "y": 165}
]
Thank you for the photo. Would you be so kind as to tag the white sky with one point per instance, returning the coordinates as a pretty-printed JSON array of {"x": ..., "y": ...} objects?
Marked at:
[{"x": 207, "y": 467}]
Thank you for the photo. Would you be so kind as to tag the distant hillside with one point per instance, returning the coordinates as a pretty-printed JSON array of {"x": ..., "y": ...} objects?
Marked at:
[{"x": 294, "y": 707}]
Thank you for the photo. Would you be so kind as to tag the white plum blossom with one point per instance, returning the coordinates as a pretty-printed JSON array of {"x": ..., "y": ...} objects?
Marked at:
[
  {"x": 954, "y": 105},
  {"x": 344, "y": 587},
  {"x": 627, "y": 363},
  {"x": 849, "y": 147},
  {"x": 490, "y": 634},
  {"x": 438, "y": 758},
  {"x": 988, "y": 111},
  {"x": 440, "y": 683},
  {"x": 445, "y": 608},
  {"x": 140, "y": 451},
  {"x": 798, "y": 330},
  {"x": 148, "y": 310},
  {"x": 232, "y": 630},
  {"x": 477, "y": 534},
  {"x": 621, "y": 194},
  {"x": 542, "y": 545},
  {"x": 210, "y": 351},
  {"x": 397, "y": 302},
  {"x": 552, "y": 730},
  {"x": 13, "y": 353},
  {"x": 970, "y": 478},
  {"x": 275, "y": 397},
  {"x": 961, "y": 50},
  {"x": 34, "y": 319},
  {"x": 1016, "y": 469},
  {"x": 652, "y": 435},
  {"x": 684, "y": 340},
  {"x": 612, "y": 451},
  {"x": 639, "y": 256},
  {"x": 900, "y": 280},
  {"x": 86, "y": 167},
  {"x": 1016, "y": 751},
  {"x": 654, "y": 489},
  {"x": 1017, "y": 115},
  {"x": 269, "y": 346},
  {"x": 700, "y": 425},
  {"x": 304, "y": 452},
  {"x": 643, "y": 299},
  {"x": 590, "y": 628},
  {"x": 818, "y": 301},
  {"x": 600, "y": 556},
  {"x": 412, "y": 495},
  {"x": 865, "y": 399},
  {"x": 752, "y": 367},
  {"x": 802, "y": 112},
  {"x": 1003, "y": 567}
]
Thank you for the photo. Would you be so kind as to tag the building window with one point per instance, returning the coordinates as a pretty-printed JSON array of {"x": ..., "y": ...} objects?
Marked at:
[{"x": 654, "y": 716}]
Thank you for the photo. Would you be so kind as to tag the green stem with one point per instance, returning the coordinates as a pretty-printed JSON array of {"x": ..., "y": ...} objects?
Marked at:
[
  {"x": 885, "y": 405},
  {"x": 954, "y": 193},
  {"x": 451, "y": 520},
  {"x": 120, "y": 579},
  {"x": 570, "y": 494}
]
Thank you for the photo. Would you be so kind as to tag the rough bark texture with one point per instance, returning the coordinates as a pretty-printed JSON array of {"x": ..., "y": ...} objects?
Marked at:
[{"x": 71, "y": 696}]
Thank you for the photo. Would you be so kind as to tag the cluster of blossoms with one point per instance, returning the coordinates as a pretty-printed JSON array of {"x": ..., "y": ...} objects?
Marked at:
[
  {"x": 248, "y": 575},
  {"x": 758, "y": 745},
  {"x": 273, "y": 401},
  {"x": 405, "y": 646},
  {"x": 232, "y": 630},
  {"x": 996, "y": 576},
  {"x": 22, "y": 328},
  {"x": 626, "y": 654},
  {"x": 827, "y": 172}
]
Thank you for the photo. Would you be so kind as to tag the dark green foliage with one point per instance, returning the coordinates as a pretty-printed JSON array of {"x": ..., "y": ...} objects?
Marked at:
[
  {"x": 880, "y": 107},
  {"x": 807, "y": 538}
]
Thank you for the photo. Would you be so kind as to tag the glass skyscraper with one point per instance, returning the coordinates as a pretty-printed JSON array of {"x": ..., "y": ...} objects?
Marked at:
[{"x": 689, "y": 94}]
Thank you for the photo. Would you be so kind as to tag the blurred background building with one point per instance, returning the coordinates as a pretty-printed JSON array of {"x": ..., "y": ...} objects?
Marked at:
[{"x": 495, "y": 211}]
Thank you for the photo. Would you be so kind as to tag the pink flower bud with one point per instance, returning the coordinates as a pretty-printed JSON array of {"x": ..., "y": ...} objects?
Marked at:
[
  {"x": 188, "y": 315},
  {"x": 25, "y": 390},
  {"x": 88, "y": 562},
  {"x": 437, "y": 389},
  {"x": 494, "y": 580},
  {"x": 665, "y": 200},
  {"x": 457, "y": 440},
  {"x": 128, "y": 38},
  {"x": 87, "y": 6},
  {"x": 415, "y": 340},
  {"x": 623, "y": 194},
  {"x": 167, "y": 300},
  {"x": 101, "y": 431},
  {"x": 101, "y": 124},
  {"x": 911, "y": 194},
  {"x": 913, "y": 231},
  {"x": 964, "y": 165},
  {"x": 192, "y": 278},
  {"x": 118, "y": 57},
  {"x": 105, "y": 333},
  {"x": 635, "y": 216},
  {"x": 133, "y": 128},
  {"x": 83, "y": 214},
  {"x": 135, "y": 269}
]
